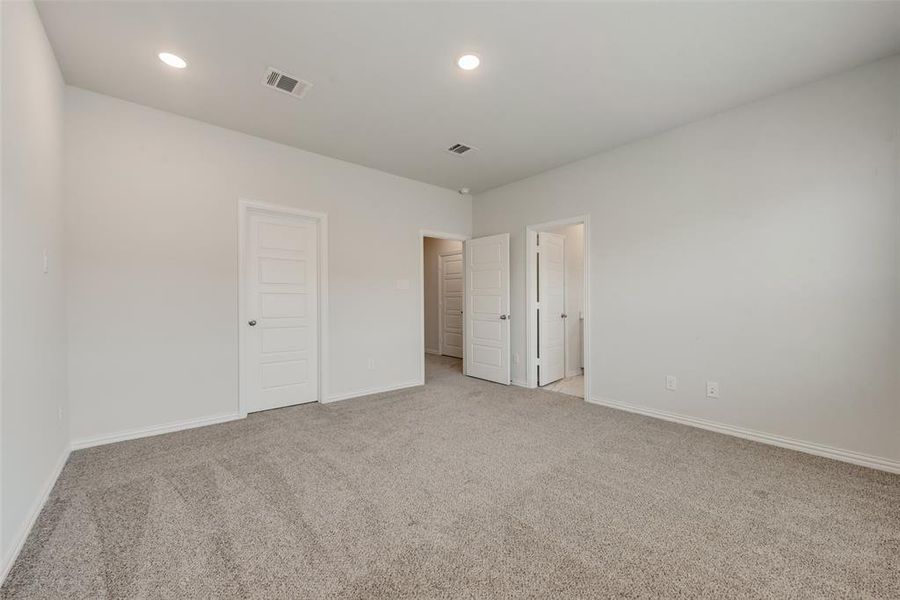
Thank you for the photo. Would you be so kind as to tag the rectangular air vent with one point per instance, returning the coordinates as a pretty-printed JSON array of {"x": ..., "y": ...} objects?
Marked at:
[
  {"x": 460, "y": 149},
  {"x": 278, "y": 80}
]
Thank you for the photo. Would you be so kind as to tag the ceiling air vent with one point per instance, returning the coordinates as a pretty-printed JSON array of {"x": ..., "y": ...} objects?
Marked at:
[
  {"x": 288, "y": 84},
  {"x": 459, "y": 149}
]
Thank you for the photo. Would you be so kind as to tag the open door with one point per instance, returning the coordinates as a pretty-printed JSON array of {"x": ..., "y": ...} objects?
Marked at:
[
  {"x": 487, "y": 308},
  {"x": 551, "y": 307}
]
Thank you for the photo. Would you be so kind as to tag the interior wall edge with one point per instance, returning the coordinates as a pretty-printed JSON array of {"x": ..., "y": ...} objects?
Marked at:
[
  {"x": 848, "y": 456},
  {"x": 372, "y": 391},
  {"x": 18, "y": 541},
  {"x": 142, "y": 432}
]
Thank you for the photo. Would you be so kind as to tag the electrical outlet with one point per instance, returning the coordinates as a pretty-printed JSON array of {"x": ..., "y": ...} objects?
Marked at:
[
  {"x": 671, "y": 383},
  {"x": 59, "y": 414},
  {"x": 371, "y": 364},
  {"x": 516, "y": 358},
  {"x": 712, "y": 389},
  {"x": 45, "y": 264}
]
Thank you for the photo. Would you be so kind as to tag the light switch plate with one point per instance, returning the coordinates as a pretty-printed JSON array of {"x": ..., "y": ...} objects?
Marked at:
[{"x": 671, "y": 383}]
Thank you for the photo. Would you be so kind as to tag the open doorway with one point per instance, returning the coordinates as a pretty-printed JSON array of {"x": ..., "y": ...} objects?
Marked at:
[
  {"x": 465, "y": 305},
  {"x": 443, "y": 290},
  {"x": 556, "y": 288}
]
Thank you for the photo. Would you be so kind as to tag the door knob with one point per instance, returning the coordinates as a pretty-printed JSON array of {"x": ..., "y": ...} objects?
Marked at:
[
  {"x": 564, "y": 316},
  {"x": 503, "y": 317},
  {"x": 252, "y": 323}
]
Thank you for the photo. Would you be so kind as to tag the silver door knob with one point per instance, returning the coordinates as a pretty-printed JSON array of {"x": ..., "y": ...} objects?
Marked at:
[
  {"x": 252, "y": 323},
  {"x": 503, "y": 317}
]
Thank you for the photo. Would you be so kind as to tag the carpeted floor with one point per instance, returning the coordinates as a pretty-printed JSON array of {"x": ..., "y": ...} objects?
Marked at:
[
  {"x": 460, "y": 489},
  {"x": 571, "y": 386}
]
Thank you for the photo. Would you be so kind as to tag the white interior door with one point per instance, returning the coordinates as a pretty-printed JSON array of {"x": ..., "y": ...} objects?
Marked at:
[
  {"x": 487, "y": 308},
  {"x": 280, "y": 354},
  {"x": 551, "y": 308},
  {"x": 451, "y": 303}
]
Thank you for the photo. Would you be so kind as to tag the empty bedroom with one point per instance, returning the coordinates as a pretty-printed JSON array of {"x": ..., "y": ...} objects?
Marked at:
[{"x": 411, "y": 300}]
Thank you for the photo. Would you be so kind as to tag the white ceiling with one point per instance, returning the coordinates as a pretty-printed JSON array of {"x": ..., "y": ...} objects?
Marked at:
[{"x": 558, "y": 82}]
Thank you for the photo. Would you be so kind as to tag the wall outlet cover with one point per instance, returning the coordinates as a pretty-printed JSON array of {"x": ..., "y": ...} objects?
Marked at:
[{"x": 712, "y": 389}]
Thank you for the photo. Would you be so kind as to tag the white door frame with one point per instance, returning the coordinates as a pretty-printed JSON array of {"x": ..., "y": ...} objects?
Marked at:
[
  {"x": 420, "y": 347},
  {"x": 245, "y": 207},
  {"x": 441, "y": 297},
  {"x": 531, "y": 232}
]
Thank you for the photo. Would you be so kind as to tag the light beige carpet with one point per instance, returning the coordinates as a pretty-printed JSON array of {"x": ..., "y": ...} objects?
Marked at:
[
  {"x": 460, "y": 489},
  {"x": 570, "y": 386}
]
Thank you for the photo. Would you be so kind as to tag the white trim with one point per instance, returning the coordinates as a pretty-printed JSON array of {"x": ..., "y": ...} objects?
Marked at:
[
  {"x": 19, "y": 540},
  {"x": 432, "y": 351},
  {"x": 531, "y": 304},
  {"x": 848, "y": 456},
  {"x": 133, "y": 434},
  {"x": 321, "y": 220},
  {"x": 521, "y": 383},
  {"x": 420, "y": 344},
  {"x": 377, "y": 390}
]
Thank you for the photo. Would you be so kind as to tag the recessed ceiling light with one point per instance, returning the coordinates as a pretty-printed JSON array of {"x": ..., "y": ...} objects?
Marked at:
[
  {"x": 467, "y": 62},
  {"x": 172, "y": 60}
]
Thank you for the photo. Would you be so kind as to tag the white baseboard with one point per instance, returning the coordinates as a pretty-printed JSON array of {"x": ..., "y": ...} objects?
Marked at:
[
  {"x": 370, "y": 391},
  {"x": 520, "y": 383},
  {"x": 849, "y": 456},
  {"x": 19, "y": 540},
  {"x": 432, "y": 351},
  {"x": 133, "y": 434}
]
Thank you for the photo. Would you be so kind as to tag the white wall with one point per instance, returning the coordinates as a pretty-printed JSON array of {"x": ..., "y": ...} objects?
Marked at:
[
  {"x": 431, "y": 256},
  {"x": 34, "y": 437},
  {"x": 152, "y": 255},
  {"x": 757, "y": 248},
  {"x": 574, "y": 235}
]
